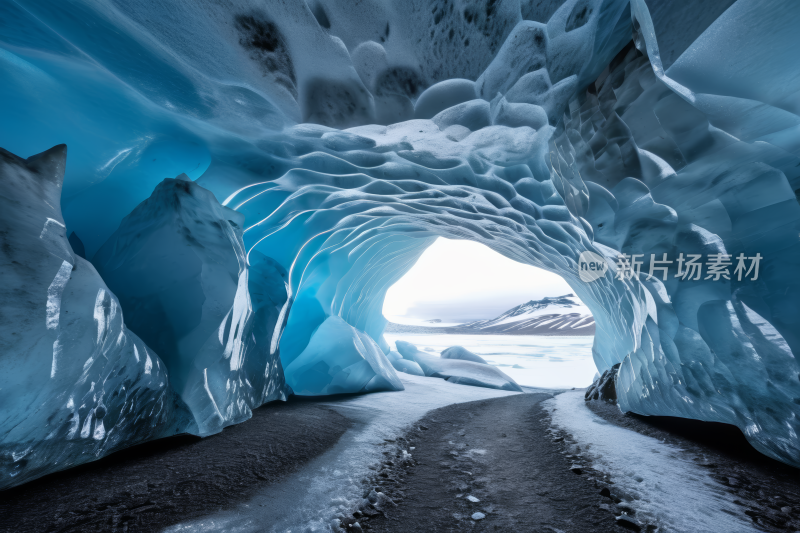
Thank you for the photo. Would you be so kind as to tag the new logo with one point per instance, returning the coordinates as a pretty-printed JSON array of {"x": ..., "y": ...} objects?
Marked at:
[{"x": 591, "y": 266}]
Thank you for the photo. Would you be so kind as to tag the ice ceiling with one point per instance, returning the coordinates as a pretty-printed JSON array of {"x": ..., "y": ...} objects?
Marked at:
[{"x": 338, "y": 140}]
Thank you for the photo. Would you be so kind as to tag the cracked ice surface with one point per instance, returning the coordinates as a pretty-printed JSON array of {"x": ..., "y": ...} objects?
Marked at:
[{"x": 348, "y": 141}]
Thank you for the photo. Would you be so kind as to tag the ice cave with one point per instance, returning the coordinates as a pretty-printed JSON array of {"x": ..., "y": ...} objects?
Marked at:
[{"x": 204, "y": 203}]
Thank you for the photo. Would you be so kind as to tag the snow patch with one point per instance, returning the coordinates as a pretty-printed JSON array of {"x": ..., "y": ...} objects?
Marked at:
[{"x": 658, "y": 478}]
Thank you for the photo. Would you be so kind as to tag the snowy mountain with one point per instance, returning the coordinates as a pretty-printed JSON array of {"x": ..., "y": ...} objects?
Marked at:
[{"x": 560, "y": 315}]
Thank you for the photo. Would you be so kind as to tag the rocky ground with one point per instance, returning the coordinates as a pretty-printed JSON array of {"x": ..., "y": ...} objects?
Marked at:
[
  {"x": 496, "y": 465},
  {"x": 490, "y": 465},
  {"x": 151, "y": 486}
]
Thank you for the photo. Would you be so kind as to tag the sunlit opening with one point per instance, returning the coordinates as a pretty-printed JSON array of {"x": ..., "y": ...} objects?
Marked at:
[{"x": 522, "y": 319}]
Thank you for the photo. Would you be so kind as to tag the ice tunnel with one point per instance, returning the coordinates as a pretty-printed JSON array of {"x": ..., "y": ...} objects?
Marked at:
[{"x": 243, "y": 183}]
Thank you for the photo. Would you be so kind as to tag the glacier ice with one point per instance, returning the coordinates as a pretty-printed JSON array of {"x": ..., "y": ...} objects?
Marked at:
[
  {"x": 76, "y": 382},
  {"x": 340, "y": 359},
  {"x": 407, "y": 366},
  {"x": 459, "y": 352},
  {"x": 458, "y": 370},
  {"x": 358, "y": 136},
  {"x": 178, "y": 265}
]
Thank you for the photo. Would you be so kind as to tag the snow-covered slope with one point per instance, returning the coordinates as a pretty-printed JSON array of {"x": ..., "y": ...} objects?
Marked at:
[{"x": 560, "y": 315}]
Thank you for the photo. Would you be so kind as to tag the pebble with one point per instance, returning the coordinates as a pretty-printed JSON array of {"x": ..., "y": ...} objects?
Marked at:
[
  {"x": 625, "y": 508},
  {"x": 478, "y": 516},
  {"x": 473, "y": 499},
  {"x": 628, "y": 523}
]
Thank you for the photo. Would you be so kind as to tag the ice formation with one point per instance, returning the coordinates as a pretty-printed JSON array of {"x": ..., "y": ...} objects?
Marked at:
[
  {"x": 339, "y": 359},
  {"x": 406, "y": 366},
  {"x": 76, "y": 382},
  {"x": 457, "y": 370},
  {"x": 349, "y": 136},
  {"x": 179, "y": 268},
  {"x": 459, "y": 352}
]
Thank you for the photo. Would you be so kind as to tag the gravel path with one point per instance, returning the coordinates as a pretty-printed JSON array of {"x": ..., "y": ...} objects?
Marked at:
[{"x": 499, "y": 452}]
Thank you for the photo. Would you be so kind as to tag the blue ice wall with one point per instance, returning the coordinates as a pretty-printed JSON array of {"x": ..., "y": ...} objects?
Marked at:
[
  {"x": 178, "y": 266},
  {"x": 76, "y": 382},
  {"x": 713, "y": 149},
  {"x": 348, "y": 139}
]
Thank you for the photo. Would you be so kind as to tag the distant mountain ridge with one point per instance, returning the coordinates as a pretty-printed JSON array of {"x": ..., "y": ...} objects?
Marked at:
[{"x": 559, "y": 315}]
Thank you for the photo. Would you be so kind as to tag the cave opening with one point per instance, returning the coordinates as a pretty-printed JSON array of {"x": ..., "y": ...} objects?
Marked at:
[{"x": 522, "y": 319}]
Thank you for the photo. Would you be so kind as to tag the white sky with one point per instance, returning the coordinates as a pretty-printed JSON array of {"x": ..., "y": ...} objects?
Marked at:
[{"x": 456, "y": 281}]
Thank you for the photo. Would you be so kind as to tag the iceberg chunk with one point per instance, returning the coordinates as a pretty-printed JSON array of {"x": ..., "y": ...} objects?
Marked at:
[
  {"x": 76, "y": 384},
  {"x": 267, "y": 284},
  {"x": 457, "y": 370},
  {"x": 394, "y": 356},
  {"x": 340, "y": 359},
  {"x": 178, "y": 266},
  {"x": 459, "y": 352},
  {"x": 408, "y": 367}
]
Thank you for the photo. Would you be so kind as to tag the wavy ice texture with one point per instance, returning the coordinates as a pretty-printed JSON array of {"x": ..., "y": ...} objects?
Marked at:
[
  {"x": 76, "y": 383},
  {"x": 526, "y": 126},
  {"x": 178, "y": 266}
]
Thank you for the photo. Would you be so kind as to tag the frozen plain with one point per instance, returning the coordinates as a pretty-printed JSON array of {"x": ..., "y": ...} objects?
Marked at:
[{"x": 542, "y": 362}]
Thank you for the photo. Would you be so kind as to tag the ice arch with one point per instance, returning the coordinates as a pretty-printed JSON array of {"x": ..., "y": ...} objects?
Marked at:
[{"x": 349, "y": 142}]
